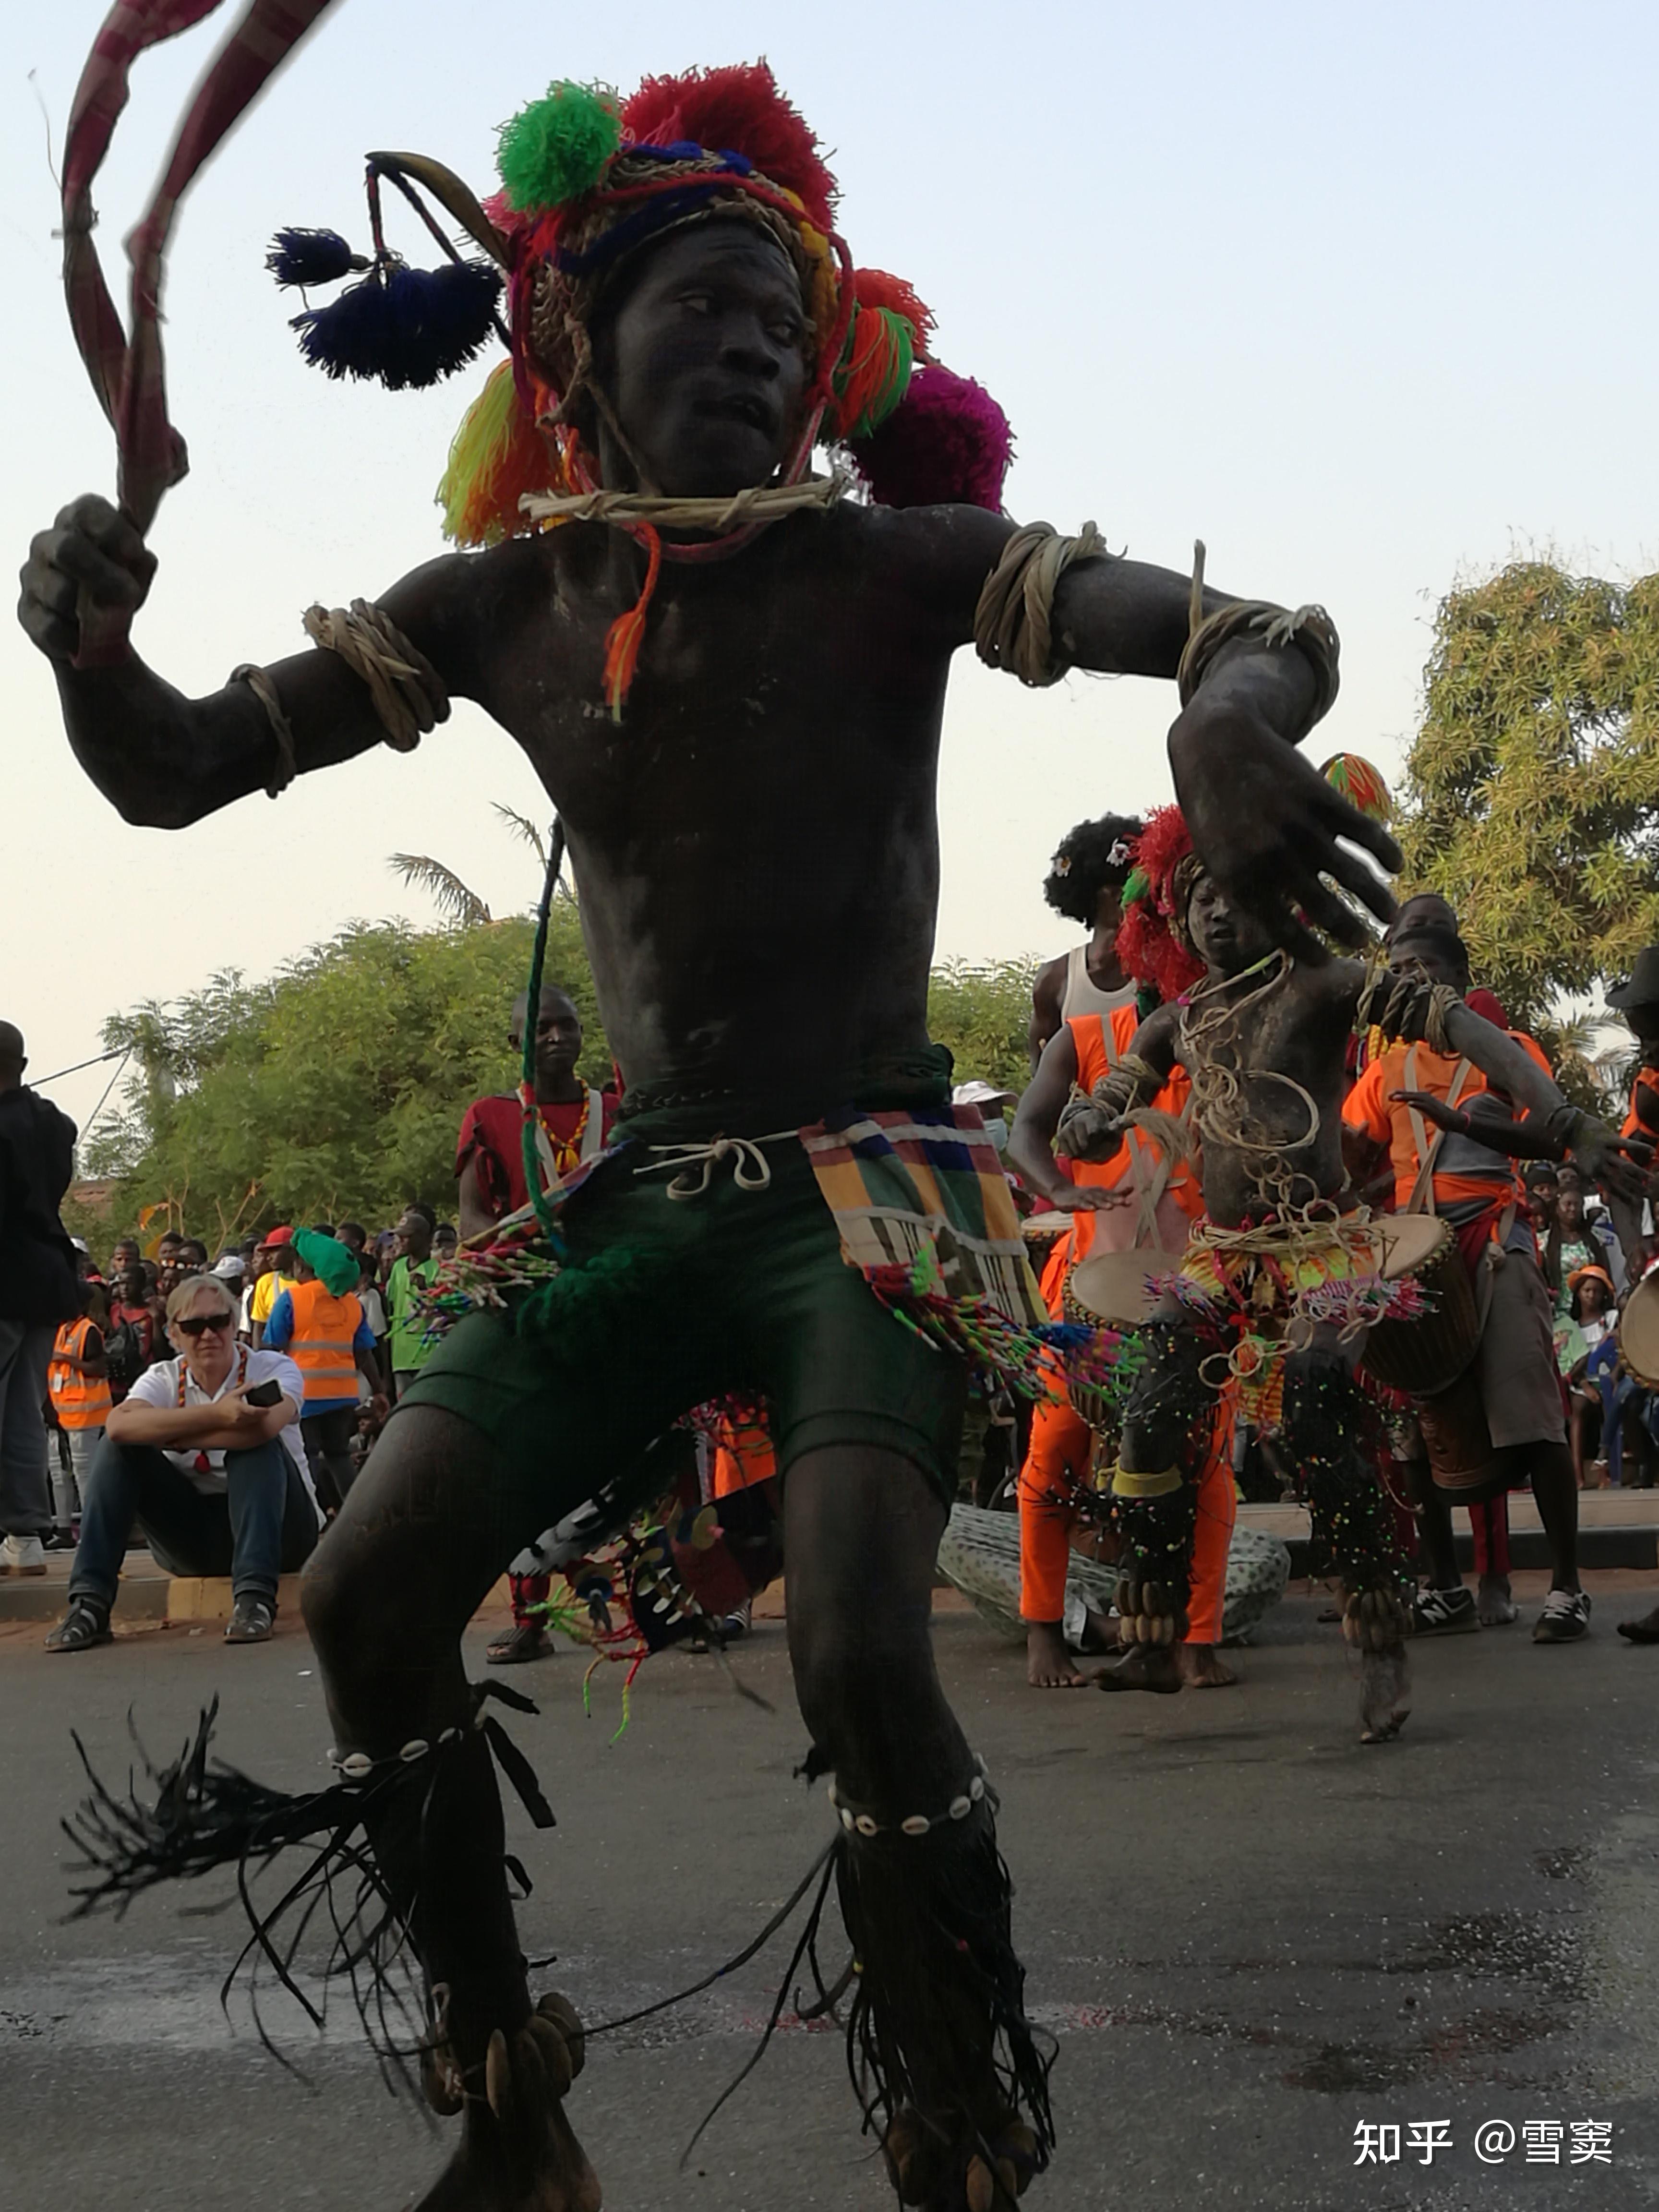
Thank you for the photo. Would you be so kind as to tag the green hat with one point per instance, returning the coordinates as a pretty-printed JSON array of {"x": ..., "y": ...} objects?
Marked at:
[{"x": 334, "y": 1264}]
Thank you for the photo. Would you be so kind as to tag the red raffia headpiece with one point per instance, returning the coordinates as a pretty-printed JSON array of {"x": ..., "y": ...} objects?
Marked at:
[{"x": 1152, "y": 942}]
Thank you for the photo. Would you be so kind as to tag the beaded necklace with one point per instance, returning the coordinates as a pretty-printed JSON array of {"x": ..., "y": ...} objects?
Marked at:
[
  {"x": 564, "y": 1153},
  {"x": 184, "y": 1376}
]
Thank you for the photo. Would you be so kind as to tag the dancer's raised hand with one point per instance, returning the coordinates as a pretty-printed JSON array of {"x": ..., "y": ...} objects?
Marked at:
[{"x": 91, "y": 548}]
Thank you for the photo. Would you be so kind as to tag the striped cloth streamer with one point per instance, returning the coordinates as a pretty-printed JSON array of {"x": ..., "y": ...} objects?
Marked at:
[{"x": 127, "y": 374}]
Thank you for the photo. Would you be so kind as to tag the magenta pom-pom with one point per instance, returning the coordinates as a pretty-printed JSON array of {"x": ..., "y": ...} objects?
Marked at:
[{"x": 946, "y": 444}]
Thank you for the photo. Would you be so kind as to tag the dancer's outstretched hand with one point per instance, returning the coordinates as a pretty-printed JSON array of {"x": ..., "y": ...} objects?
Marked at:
[
  {"x": 1265, "y": 824},
  {"x": 1607, "y": 1159},
  {"x": 92, "y": 547}
]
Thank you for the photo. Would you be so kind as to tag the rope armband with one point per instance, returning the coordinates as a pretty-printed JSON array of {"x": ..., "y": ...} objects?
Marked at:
[
  {"x": 408, "y": 695},
  {"x": 1013, "y": 621},
  {"x": 1409, "y": 1005},
  {"x": 1134, "y": 1081},
  {"x": 1308, "y": 629},
  {"x": 260, "y": 685}
]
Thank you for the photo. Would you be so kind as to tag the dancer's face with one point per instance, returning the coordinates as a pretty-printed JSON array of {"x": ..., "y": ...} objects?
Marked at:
[
  {"x": 1224, "y": 940},
  {"x": 705, "y": 361}
]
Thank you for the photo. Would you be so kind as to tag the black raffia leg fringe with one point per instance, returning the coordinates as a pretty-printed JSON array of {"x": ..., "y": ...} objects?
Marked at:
[
  {"x": 952, "y": 2077},
  {"x": 200, "y": 1813}
]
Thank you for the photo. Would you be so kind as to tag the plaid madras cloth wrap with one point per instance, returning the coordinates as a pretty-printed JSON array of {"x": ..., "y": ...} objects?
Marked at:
[
  {"x": 910, "y": 1186},
  {"x": 127, "y": 376}
]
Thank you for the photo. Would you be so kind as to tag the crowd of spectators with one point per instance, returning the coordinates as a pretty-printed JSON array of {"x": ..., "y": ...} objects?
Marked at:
[{"x": 122, "y": 1331}]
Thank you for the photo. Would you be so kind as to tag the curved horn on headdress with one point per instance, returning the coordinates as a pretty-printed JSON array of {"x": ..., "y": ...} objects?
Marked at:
[{"x": 450, "y": 193}]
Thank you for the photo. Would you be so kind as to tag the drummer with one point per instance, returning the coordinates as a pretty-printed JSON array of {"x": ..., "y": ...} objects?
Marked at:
[
  {"x": 1281, "y": 1271},
  {"x": 1454, "y": 1160},
  {"x": 1140, "y": 1198}
]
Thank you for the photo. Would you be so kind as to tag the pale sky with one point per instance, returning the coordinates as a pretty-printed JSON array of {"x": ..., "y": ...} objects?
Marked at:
[{"x": 1363, "y": 297}]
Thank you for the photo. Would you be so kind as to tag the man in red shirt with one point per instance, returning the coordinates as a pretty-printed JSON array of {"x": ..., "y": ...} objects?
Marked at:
[
  {"x": 573, "y": 1119},
  {"x": 573, "y": 1122}
]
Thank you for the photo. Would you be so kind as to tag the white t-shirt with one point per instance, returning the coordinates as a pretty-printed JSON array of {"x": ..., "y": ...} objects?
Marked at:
[{"x": 158, "y": 1386}]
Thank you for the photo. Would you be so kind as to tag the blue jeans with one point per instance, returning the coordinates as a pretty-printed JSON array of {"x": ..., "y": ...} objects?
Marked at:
[{"x": 262, "y": 1523}]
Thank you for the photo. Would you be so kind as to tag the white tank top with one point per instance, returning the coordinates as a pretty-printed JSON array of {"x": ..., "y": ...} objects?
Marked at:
[{"x": 1082, "y": 997}]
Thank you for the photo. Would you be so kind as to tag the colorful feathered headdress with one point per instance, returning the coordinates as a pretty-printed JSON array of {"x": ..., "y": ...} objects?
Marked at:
[
  {"x": 1152, "y": 938},
  {"x": 585, "y": 180}
]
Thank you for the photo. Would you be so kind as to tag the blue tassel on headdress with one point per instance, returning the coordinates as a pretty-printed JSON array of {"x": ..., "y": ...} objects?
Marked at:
[
  {"x": 406, "y": 327},
  {"x": 311, "y": 257}
]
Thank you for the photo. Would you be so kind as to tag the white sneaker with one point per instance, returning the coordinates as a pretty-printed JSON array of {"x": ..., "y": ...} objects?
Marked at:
[{"x": 22, "y": 1555}]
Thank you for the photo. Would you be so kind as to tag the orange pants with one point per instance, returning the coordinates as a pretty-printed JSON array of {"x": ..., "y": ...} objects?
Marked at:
[{"x": 1058, "y": 1462}]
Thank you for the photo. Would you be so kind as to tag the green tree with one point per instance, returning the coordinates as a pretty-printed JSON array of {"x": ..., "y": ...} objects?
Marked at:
[
  {"x": 337, "y": 1088},
  {"x": 1531, "y": 798},
  {"x": 983, "y": 1012},
  {"x": 335, "y": 1091}
]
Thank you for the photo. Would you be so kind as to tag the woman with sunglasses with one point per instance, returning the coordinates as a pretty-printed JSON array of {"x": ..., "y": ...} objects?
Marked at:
[{"x": 215, "y": 1477}]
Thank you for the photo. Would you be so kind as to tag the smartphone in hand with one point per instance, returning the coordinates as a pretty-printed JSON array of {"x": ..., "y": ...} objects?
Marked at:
[{"x": 263, "y": 1394}]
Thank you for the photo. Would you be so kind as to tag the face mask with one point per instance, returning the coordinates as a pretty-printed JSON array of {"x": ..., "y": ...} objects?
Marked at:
[{"x": 998, "y": 1133}]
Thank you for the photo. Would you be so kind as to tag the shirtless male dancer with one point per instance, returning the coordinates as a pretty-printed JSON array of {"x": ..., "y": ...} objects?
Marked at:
[
  {"x": 1261, "y": 1037},
  {"x": 754, "y": 839}
]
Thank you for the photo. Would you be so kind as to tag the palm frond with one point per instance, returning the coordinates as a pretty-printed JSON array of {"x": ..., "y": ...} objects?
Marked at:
[
  {"x": 452, "y": 897},
  {"x": 523, "y": 828}
]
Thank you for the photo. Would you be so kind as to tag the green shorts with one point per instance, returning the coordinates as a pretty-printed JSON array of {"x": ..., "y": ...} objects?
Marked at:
[{"x": 669, "y": 1301}]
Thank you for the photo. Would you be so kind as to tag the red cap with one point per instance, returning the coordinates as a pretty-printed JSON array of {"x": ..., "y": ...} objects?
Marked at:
[{"x": 281, "y": 1235}]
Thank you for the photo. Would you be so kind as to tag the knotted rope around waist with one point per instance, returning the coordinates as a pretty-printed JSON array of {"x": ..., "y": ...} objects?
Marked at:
[{"x": 751, "y": 1169}]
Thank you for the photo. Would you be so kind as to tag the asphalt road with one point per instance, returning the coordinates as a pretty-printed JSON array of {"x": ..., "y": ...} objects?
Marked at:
[{"x": 1249, "y": 1935}]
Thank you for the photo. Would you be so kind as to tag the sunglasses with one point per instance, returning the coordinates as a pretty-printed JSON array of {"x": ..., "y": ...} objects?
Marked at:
[{"x": 197, "y": 1324}]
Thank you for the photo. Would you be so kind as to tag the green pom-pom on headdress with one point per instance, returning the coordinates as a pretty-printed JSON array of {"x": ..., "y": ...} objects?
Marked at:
[{"x": 558, "y": 147}]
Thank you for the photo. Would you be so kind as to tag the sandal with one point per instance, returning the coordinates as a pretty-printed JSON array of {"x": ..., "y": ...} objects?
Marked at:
[{"x": 84, "y": 1625}]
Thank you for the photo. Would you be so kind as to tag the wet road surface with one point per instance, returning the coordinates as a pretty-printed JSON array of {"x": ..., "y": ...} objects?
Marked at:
[{"x": 1249, "y": 1935}]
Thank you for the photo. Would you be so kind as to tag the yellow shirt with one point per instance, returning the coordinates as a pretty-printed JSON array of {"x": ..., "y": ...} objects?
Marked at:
[{"x": 266, "y": 1291}]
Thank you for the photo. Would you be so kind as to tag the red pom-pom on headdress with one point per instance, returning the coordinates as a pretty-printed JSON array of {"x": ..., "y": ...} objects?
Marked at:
[
  {"x": 736, "y": 109},
  {"x": 1152, "y": 939}
]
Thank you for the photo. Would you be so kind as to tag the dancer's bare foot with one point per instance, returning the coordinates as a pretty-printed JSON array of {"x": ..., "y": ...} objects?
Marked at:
[
  {"x": 1494, "y": 1605},
  {"x": 1644, "y": 1631},
  {"x": 518, "y": 2151},
  {"x": 926, "y": 2170},
  {"x": 1385, "y": 1731},
  {"x": 1049, "y": 1663},
  {"x": 1201, "y": 1669},
  {"x": 1148, "y": 1667}
]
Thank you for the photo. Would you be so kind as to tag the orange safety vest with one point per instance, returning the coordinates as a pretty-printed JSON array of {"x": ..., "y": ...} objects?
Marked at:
[
  {"x": 80, "y": 1402},
  {"x": 1100, "y": 1042},
  {"x": 1420, "y": 1182},
  {"x": 324, "y": 1327},
  {"x": 1646, "y": 1079}
]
